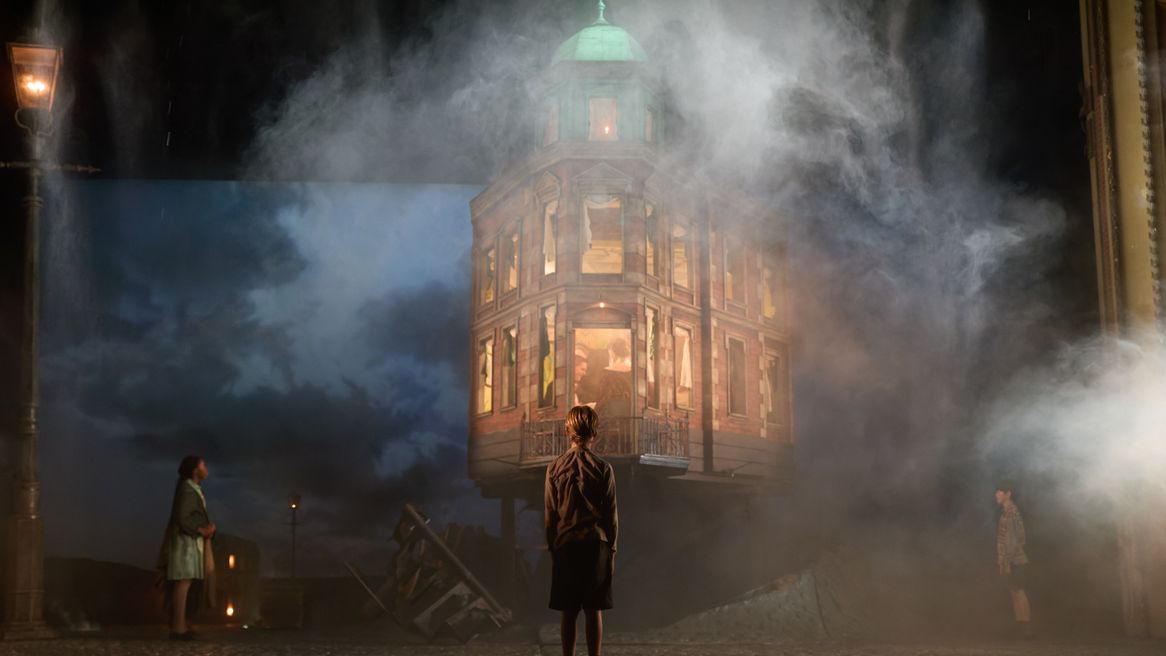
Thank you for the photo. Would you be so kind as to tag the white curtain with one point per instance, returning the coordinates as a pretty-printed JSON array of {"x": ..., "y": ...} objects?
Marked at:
[
  {"x": 769, "y": 401},
  {"x": 685, "y": 377},
  {"x": 652, "y": 328},
  {"x": 549, "y": 237}
]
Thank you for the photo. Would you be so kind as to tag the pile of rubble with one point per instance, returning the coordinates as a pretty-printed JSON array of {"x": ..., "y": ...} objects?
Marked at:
[
  {"x": 429, "y": 588},
  {"x": 825, "y": 602}
]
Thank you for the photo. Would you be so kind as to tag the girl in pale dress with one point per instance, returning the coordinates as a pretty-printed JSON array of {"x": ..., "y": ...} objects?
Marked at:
[{"x": 186, "y": 554}]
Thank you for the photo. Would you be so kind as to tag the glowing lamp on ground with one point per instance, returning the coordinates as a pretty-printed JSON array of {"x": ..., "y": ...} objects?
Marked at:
[
  {"x": 34, "y": 72},
  {"x": 231, "y": 561},
  {"x": 230, "y": 609}
]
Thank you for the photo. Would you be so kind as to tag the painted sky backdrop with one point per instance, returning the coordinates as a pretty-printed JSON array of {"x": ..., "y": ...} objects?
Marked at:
[{"x": 307, "y": 337}]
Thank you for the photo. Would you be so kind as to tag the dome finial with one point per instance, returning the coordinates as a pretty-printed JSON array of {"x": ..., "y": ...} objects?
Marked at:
[{"x": 602, "y": 7}]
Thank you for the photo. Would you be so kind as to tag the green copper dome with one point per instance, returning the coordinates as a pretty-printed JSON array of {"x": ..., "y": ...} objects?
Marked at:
[{"x": 600, "y": 41}]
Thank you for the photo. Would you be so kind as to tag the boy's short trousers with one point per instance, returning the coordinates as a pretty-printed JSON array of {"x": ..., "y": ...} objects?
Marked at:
[
  {"x": 581, "y": 575},
  {"x": 1015, "y": 578}
]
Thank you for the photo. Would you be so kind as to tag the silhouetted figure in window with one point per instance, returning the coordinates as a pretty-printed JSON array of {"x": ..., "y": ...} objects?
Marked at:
[
  {"x": 583, "y": 383},
  {"x": 1011, "y": 561},
  {"x": 615, "y": 381},
  {"x": 186, "y": 556},
  {"x": 582, "y": 526}
]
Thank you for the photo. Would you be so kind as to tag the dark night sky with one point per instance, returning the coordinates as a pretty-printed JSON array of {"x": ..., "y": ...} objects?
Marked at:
[{"x": 306, "y": 332}]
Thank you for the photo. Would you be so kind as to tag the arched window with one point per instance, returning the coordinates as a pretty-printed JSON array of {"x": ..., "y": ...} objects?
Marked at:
[
  {"x": 546, "y": 357},
  {"x": 681, "y": 255},
  {"x": 652, "y": 368},
  {"x": 772, "y": 388},
  {"x": 489, "y": 276},
  {"x": 737, "y": 386},
  {"x": 550, "y": 236},
  {"x": 652, "y": 253},
  {"x": 510, "y": 261},
  {"x": 602, "y": 119},
  {"x": 509, "y": 369},
  {"x": 485, "y": 387},
  {"x": 602, "y": 239},
  {"x": 768, "y": 293},
  {"x": 734, "y": 271},
  {"x": 551, "y": 130},
  {"x": 682, "y": 353}
]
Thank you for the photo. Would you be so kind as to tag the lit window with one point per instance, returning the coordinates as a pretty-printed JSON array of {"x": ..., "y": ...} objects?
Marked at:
[
  {"x": 649, "y": 126},
  {"x": 602, "y": 369},
  {"x": 489, "y": 275},
  {"x": 768, "y": 293},
  {"x": 771, "y": 386},
  {"x": 602, "y": 238},
  {"x": 551, "y": 133},
  {"x": 681, "y": 272},
  {"x": 550, "y": 236},
  {"x": 734, "y": 272},
  {"x": 602, "y": 118},
  {"x": 509, "y": 367},
  {"x": 546, "y": 352},
  {"x": 510, "y": 263},
  {"x": 486, "y": 375},
  {"x": 653, "y": 374},
  {"x": 652, "y": 240},
  {"x": 736, "y": 377},
  {"x": 682, "y": 348}
]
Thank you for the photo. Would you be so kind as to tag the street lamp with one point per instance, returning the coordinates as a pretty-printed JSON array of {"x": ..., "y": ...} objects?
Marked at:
[
  {"x": 35, "y": 70},
  {"x": 293, "y": 502}
]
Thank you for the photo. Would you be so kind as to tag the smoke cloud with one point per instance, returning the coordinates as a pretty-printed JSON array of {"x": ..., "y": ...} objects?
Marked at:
[{"x": 1092, "y": 420}]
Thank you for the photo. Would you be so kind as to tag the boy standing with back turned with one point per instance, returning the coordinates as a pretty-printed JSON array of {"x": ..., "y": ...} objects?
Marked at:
[{"x": 582, "y": 526}]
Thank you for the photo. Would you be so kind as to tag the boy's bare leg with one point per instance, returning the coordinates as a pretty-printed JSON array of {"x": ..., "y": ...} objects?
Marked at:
[
  {"x": 567, "y": 628},
  {"x": 178, "y": 606},
  {"x": 1020, "y": 607},
  {"x": 594, "y": 626}
]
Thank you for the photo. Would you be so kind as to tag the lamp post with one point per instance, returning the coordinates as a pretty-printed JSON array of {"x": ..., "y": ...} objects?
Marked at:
[
  {"x": 35, "y": 70},
  {"x": 293, "y": 502}
]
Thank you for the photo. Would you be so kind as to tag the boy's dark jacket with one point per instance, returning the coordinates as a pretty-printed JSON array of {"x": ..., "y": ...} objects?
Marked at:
[{"x": 580, "y": 500}]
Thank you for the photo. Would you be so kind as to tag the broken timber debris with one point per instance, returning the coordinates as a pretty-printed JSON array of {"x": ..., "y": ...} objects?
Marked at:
[{"x": 434, "y": 590}]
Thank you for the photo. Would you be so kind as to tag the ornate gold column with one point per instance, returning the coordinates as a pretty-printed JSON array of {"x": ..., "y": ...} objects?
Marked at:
[{"x": 1122, "y": 112}]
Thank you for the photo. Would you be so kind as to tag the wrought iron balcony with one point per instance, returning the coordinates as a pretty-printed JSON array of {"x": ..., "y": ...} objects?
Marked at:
[{"x": 646, "y": 440}]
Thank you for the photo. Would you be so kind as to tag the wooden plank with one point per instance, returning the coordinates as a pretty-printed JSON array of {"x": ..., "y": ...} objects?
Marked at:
[
  {"x": 356, "y": 574},
  {"x": 453, "y": 561}
]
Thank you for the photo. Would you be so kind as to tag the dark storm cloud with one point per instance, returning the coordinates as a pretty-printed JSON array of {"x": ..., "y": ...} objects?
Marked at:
[
  {"x": 428, "y": 323},
  {"x": 186, "y": 250},
  {"x": 335, "y": 450},
  {"x": 209, "y": 318}
]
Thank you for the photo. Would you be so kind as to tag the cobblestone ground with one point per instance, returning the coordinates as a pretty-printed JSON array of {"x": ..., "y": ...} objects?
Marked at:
[{"x": 307, "y": 644}]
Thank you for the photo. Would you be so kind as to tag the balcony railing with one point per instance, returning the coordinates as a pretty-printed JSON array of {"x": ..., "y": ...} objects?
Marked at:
[{"x": 667, "y": 437}]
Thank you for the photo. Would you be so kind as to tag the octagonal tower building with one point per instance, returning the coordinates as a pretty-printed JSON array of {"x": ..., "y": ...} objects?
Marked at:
[{"x": 603, "y": 277}]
